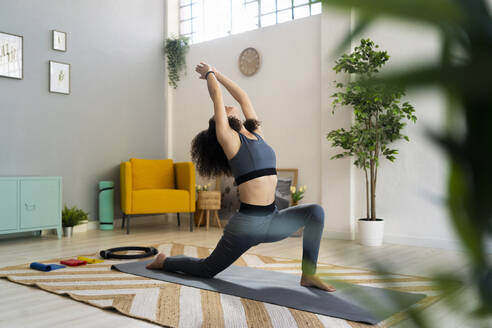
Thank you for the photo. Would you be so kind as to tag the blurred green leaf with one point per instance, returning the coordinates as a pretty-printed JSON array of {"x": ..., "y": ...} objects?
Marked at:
[{"x": 464, "y": 73}]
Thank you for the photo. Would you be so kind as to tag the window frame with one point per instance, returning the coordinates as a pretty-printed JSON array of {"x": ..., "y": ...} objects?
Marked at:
[{"x": 192, "y": 3}]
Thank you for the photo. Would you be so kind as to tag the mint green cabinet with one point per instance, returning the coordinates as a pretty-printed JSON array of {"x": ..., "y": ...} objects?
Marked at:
[
  {"x": 9, "y": 211},
  {"x": 39, "y": 203},
  {"x": 30, "y": 204}
]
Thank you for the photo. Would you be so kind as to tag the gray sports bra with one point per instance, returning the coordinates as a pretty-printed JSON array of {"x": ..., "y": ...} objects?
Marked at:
[{"x": 255, "y": 158}]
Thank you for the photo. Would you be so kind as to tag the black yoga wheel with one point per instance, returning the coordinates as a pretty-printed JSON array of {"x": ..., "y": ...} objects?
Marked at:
[{"x": 110, "y": 253}]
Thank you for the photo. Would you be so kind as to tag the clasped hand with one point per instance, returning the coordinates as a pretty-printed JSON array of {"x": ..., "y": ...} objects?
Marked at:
[{"x": 203, "y": 68}]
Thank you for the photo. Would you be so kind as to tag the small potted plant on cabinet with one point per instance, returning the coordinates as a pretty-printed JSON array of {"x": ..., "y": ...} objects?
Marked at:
[
  {"x": 378, "y": 121},
  {"x": 72, "y": 217}
]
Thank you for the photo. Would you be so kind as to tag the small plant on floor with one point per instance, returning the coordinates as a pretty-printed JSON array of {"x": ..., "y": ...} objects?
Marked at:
[
  {"x": 73, "y": 216},
  {"x": 298, "y": 194},
  {"x": 175, "y": 49},
  {"x": 378, "y": 115},
  {"x": 204, "y": 187}
]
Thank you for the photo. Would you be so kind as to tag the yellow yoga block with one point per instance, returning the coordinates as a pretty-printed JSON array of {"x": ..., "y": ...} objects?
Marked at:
[{"x": 89, "y": 260}]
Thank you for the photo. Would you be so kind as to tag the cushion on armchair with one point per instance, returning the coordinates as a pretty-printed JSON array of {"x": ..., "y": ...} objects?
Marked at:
[
  {"x": 161, "y": 201},
  {"x": 282, "y": 192},
  {"x": 152, "y": 173}
]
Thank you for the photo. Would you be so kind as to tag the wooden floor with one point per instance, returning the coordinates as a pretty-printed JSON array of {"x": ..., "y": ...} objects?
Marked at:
[{"x": 22, "y": 306}]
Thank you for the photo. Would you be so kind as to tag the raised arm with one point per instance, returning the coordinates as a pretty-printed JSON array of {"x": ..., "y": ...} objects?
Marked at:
[
  {"x": 239, "y": 94},
  {"x": 222, "y": 128}
]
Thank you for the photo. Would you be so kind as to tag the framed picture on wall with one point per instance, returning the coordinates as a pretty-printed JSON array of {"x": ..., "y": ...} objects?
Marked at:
[
  {"x": 59, "y": 40},
  {"x": 11, "y": 56},
  {"x": 59, "y": 77}
]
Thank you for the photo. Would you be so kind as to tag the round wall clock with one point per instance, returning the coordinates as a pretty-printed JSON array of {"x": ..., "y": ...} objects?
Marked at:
[{"x": 249, "y": 61}]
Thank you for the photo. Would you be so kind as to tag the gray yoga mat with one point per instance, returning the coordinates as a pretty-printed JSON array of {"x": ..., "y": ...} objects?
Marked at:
[{"x": 351, "y": 302}]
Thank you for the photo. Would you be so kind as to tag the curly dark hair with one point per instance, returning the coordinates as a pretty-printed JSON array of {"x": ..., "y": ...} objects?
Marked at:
[{"x": 206, "y": 152}]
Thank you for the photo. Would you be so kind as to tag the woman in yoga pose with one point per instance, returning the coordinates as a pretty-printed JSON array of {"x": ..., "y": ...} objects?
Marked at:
[{"x": 232, "y": 147}]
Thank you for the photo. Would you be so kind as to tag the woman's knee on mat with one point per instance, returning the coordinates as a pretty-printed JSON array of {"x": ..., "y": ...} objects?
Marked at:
[{"x": 206, "y": 271}]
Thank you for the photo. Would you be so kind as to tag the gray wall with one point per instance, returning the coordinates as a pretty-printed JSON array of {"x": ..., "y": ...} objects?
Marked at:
[{"x": 116, "y": 107}]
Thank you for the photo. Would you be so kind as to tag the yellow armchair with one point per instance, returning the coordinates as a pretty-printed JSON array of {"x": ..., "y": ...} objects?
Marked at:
[{"x": 156, "y": 187}]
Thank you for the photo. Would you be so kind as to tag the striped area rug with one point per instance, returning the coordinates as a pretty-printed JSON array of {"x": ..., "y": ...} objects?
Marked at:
[{"x": 173, "y": 305}]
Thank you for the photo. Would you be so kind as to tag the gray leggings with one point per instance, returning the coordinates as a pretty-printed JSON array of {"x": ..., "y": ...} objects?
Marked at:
[{"x": 244, "y": 231}]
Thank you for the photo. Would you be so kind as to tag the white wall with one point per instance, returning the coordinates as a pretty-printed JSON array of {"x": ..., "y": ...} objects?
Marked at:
[
  {"x": 291, "y": 93},
  {"x": 285, "y": 93},
  {"x": 334, "y": 174},
  {"x": 412, "y": 190},
  {"x": 116, "y": 107}
]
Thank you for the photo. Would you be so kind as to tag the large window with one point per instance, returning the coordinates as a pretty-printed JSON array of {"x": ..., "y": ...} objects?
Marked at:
[
  {"x": 189, "y": 18},
  {"x": 203, "y": 20}
]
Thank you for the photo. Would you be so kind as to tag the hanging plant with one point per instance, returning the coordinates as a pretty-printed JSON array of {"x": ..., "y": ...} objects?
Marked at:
[{"x": 175, "y": 49}]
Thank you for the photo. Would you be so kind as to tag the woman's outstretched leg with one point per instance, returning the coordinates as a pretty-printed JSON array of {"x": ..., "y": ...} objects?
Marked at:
[
  {"x": 230, "y": 247},
  {"x": 287, "y": 221}
]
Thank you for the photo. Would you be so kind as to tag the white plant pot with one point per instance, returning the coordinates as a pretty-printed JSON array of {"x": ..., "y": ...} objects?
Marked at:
[{"x": 371, "y": 232}]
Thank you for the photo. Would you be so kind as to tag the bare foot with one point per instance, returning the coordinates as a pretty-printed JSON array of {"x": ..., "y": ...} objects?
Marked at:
[
  {"x": 316, "y": 282},
  {"x": 157, "y": 263}
]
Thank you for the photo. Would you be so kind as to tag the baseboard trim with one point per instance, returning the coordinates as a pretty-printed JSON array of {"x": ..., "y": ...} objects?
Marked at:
[
  {"x": 422, "y": 242},
  {"x": 405, "y": 240},
  {"x": 169, "y": 217},
  {"x": 334, "y": 234},
  {"x": 328, "y": 234},
  {"x": 432, "y": 243},
  {"x": 94, "y": 225}
]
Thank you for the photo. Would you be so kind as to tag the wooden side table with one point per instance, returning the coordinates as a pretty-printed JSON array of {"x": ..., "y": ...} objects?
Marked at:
[{"x": 208, "y": 201}]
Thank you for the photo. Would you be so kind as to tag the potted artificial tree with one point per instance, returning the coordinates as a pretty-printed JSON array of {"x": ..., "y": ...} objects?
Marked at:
[
  {"x": 72, "y": 217},
  {"x": 378, "y": 121}
]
